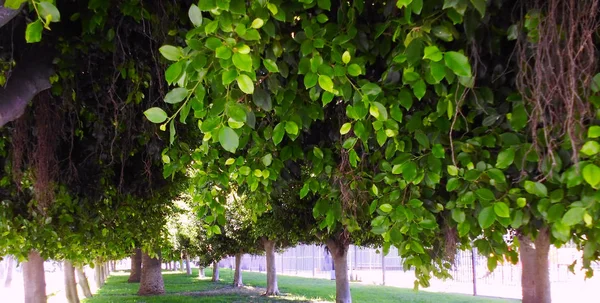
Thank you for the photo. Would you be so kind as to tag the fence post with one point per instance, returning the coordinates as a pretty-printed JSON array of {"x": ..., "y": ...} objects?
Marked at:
[
  {"x": 382, "y": 268},
  {"x": 473, "y": 266}
]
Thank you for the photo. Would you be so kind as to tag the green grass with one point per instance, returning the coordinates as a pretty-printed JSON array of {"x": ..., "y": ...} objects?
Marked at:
[{"x": 181, "y": 288}]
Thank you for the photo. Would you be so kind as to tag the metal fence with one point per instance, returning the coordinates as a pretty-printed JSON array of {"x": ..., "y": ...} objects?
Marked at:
[{"x": 368, "y": 265}]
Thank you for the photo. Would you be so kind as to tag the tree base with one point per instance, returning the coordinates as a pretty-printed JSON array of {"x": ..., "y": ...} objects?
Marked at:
[{"x": 271, "y": 293}]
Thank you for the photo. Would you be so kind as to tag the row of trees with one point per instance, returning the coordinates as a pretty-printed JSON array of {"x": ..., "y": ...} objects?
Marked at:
[{"x": 430, "y": 125}]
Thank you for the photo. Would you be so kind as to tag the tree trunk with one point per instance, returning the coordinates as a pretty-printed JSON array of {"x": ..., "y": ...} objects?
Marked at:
[
  {"x": 152, "y": 281},
  {"x": 83, "y": 282},
  {"x": 237, "y": 277},
  {"x": 181, "y": 264},
  {"x": 201, "y": 272},
  {"x": 136, "y": 266},
  {"x": 113, "y": 266},
  {"x": 535, "y": 276},
  {"x": 215, "y": 276},
  {"x": 272, "y": 288},
  {"x": 188, "y": 266},
  {"x": 34, "y": 280},
  {"x": 70, "y": 284},
  {"x": 9, "y": 271},
  {"x": 339, "y": 253},
  {"x": 98, "y": 274},
  {"x": 106, "y": 270}
]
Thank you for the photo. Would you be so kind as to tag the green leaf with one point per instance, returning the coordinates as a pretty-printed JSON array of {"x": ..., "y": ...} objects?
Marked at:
[
  {"x": 496, "y": 175},
  {"x": 326, "y": 83},
  {"x": 594, "y": 131},
  {"x": 245, "y": 84},
  {"x": 354, "y": 70},
  {"x": 176, "y": 95},
  {"x": 33, "y": 33},
  {"x": 173, "y": 72},
  {"x": 324, "y": 4},
  {"x": 536, "y": 188},
  {"x": 452, "y": 170},
  {"x": 458, "y": 215},
  {"x": 291, "y": 127},
  {"x": 378, "y": 111},
  {"x": 505, "y": 158},
  {"x": 403, "y": 3},
  {"x": 438, "y": 151},
  {"x": 271, "y": 66},
  {"x": 318, "y": 152},
  {"x": 480, "y": 6},
  {"x": 48, "y": 11},
  {"x": 278, "y": 133},
  {"x": 346, "y": 57},
  {"x": 14, "y": 4},
  {"x": 236, "y": 112},
  {"x": 502, "y": 210},
  {"x": 386, "y": 208},
  {"x": 267, "y": 159},
  {"x": 229, "y": 139},
  {"x": 458, "y": 63},
  {"x": 573, "y": 216},
  {"x": 591, "y": 175},
  {"x": 171, "y": 53},
  {"x": 257, "y": 23},
  {"x": 409, "y": 171},
  {"x": 596, "y": 83},
  {"x": 262, "y": 99},
  {"x": 485, "y": 194},
  {"x": 371, "y": 89},
  {"x": 433, "y": 53},
  {"x": 405, "y": 97},
  {"x": 223, "y": 52},
  {"x": 195, "y": 15},
  {"x": 419, "y": 89},
  {"x": 156, "y": 115},
  {"x": 349, "y": 143},
  {"x": 243, "y": 62},
  {"x": 345, "y": 128},
  {"x": 486, "y": 217},
  {"x": 590, "y": 148}
]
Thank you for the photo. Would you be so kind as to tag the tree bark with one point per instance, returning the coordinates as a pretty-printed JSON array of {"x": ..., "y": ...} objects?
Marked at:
[
  {"x": 188, "y": 266},
  {"x": 339, "y": 253},
  {"x": 180, "y": 264},
  {"x": 34, "y": 279},
  {"x": 136, "y": 267},
  {"x": 98, "y": 274},
  {"x": 9, "y": 271},
  {"x": 82, "y": 280},
  {"x": 70, "y": 283},
  {"x": 152, "y": 281},
  {"x": 201, "y": 272},
  {"x": 237, "y": 276},
  {"x": 215, "y": 276},
  {"x": 535, "y": 275},
  {"x": 272, "y": 288},
  {"x": 7, "y": 14}
]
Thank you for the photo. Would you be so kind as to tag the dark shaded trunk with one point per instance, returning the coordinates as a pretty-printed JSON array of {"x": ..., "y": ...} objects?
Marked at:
[
  {"x": 535, "y": 275},
  {"x": 237, "y": 276},
  {"x": 188, "y": 266},
  {"x": 70, "y": 283},
  {"x": 151, "y": 282},
  {"x": 113, "y": 266},
  {"x": 272, "y": 288},
  {"x": 136, "y": 267},
  {"x": 82, "y": 280},
  {"x": 9, "y": 271},
  {"x": 34, "y": 279},
  {"x": 339, "y": 253},
  {"x": 215, "y": 276}
]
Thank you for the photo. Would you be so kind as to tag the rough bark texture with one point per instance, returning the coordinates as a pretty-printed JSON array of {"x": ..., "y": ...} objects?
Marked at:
[
  {"x": 82, "y": 280},
  {"x": 9, "y": 271},
  {"x": 237, "y": 276},
  {"x": 272, "y": 288},
  {"x": 70, "y": 283},
  {"x": 34, "y": 280},
  {"x": 339, "y": 253},
  {"x": 152, "y": 280},
  {"x": 535, "y": 276},
  {"x": 215, "y": 275},
  {"x": 188, "y": 266},
  {"x": 136, "y": 267}
]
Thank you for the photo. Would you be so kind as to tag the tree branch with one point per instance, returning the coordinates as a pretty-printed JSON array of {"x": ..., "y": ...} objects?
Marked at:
[{"x": 7, "y": 14}]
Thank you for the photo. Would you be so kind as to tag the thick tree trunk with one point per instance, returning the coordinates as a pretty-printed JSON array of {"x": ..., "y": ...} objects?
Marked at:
[
  {"x": 106, "y": 270},
  {"x": 136, "y": 267},
  {"x": 70, "y": 283},
  {"x": 237, "y": 276},
  {"x": 215, "y": 276},
  {"x": 272, "y": 288},
  {"x": 339, "y": 253},
  {"x": 9, "y": 271},
  {"x": 113, "y": 265},
  {"x": 535, "y": 276},
  {"x": 98, "y": 274},
  {"x": 82, "y": 280},
  {"x": 34, "y": 280},
  {"x": 152, "y": 281},
  {"x": 188, "y": 266}
]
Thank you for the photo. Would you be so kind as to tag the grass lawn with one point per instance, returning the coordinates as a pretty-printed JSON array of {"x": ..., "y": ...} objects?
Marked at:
[{"x": 181, "y": 288}]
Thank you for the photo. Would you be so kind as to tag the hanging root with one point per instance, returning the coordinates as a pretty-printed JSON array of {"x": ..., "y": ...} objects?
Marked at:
[
  {"x": 450, "y": 243},
  {"x": 557, "y": 61},
  {"x": 20, "y": 138},
  {"x": 44, "y": 156}
]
